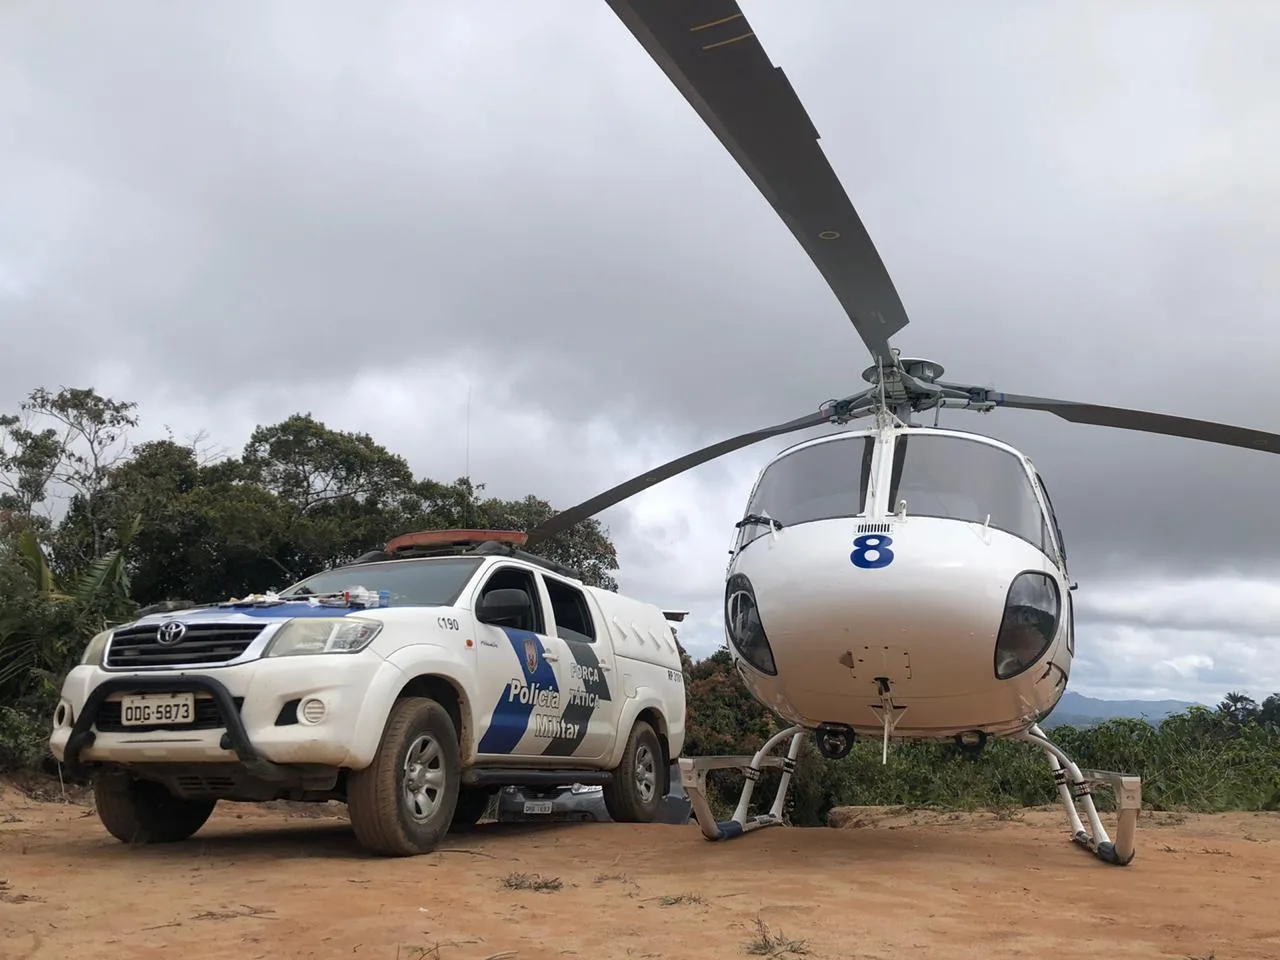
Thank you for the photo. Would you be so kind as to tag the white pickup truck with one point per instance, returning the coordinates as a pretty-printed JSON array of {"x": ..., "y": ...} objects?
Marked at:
[{"x": 412, "y": 687}]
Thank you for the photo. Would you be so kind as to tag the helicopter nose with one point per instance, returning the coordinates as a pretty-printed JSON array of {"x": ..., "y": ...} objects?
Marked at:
[{"x": 922, "y": 605}]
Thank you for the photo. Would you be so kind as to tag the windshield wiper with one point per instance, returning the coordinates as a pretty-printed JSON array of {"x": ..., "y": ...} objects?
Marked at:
[{"x": 754, "y": 518}]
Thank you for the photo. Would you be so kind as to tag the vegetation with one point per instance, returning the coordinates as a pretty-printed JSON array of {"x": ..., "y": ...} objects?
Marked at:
[{"x": 92, "y": 528}]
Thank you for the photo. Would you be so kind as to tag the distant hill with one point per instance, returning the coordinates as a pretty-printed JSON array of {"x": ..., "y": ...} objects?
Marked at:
[{"x": 1078, "y": 710}]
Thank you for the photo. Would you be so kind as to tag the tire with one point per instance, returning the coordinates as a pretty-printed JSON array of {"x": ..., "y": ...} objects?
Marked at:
[
  {"x": 472, "y": 803},
  {"x": 387, "y": 816},
  {"x": 142, "y": 811},
  {"x": 636, "y": 790}
]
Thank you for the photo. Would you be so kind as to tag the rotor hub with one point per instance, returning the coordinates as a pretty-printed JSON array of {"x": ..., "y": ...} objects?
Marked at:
[{"x": 926, "y": 371}]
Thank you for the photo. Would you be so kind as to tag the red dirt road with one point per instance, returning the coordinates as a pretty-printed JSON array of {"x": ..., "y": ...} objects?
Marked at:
[{"x": 262, "y": 882}]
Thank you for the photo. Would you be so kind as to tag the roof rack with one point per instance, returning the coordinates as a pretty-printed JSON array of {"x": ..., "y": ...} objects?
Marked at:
[{"x": 443, "y": 543}]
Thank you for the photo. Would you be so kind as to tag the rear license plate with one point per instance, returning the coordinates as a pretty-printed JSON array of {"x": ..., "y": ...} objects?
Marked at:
[
  {"x": 537, "y": 806},
  {"x": 151, "y": 708}
]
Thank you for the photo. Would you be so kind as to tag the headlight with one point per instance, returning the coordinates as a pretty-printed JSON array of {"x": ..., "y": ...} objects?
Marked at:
[
  {"x": 1030, "y": 623},
  {"x": 742, "y": 623},
  {"x": 92, "y": 655},
  {"x": 323, "y": 635}
]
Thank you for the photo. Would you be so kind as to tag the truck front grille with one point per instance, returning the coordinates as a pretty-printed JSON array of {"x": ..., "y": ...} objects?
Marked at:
[{"x": 140, "y": 646}]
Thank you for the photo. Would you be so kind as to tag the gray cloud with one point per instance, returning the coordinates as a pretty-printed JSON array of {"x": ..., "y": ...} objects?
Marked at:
[{"x": 228, "y": 208}]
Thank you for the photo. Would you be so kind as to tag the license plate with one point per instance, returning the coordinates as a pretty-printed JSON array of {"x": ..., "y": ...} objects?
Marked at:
[
  {"x": 537, "y": 806},
  {"x": 150, "y": 708}
]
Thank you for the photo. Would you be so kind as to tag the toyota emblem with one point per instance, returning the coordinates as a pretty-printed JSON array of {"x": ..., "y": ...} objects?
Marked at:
[{"x": 170, "y": 632}]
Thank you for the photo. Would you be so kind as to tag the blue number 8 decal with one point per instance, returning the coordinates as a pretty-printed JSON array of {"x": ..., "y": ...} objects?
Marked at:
[{"x": 875, "y": 544}]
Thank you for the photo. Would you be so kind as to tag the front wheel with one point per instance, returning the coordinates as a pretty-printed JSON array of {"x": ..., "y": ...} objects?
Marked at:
[
  {"x": 634, "y": 794},
  {"x": 403, "y": 803},
  {"x": 142, "y": 811}
]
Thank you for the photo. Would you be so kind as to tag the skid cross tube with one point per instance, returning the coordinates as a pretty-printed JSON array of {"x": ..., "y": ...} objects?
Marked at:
[
  {"x": 693, "y": 776},
  {"x": 1075, "y": 785}
]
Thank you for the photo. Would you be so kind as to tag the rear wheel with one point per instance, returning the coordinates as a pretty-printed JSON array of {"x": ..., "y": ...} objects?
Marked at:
[
  {"x": 635, "y": 792},
  {"x": 142, "y": 811},
  {"x": 403, "y": 803}
]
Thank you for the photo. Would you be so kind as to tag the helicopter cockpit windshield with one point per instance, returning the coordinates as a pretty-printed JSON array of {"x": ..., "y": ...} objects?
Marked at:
[
  {"x": 821, "y": 481},
  {"x": 965, "y": 479}
]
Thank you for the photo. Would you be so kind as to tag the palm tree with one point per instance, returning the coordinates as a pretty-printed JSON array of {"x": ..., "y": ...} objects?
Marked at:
[
  {"x": 1239, "y": 707},
  {"x": 45, "y": 625}
]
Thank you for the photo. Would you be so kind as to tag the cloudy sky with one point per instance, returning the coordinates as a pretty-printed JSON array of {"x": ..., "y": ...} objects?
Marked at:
[{"x": 231, "y": 212}]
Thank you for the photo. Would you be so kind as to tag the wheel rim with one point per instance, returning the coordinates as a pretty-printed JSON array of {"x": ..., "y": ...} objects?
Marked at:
[
  {"x": 423, "y": 778},
  {"x": 646, "y": 774}
]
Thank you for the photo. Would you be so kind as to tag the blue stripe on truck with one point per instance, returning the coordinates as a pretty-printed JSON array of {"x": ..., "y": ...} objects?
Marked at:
[{"x": 511, "y": 714}]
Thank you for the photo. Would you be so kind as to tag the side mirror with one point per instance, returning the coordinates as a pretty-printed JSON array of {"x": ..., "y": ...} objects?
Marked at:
[{"x": 498, "y": 606}]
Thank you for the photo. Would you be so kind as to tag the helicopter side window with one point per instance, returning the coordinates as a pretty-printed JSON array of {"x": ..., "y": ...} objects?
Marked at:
[
  {"x": 963, "y": 479},
  {"x": 824, "y": 481}
]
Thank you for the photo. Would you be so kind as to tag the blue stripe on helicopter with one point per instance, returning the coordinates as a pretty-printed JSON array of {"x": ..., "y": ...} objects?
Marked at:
[{"x": 510, "y": 715}]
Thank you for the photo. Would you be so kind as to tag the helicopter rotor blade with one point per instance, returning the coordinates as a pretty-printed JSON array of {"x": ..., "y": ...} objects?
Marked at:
[
  {"x": 709, "y": 52},
  {"x": 567, "y": 518},
  {"x": 1126, "y": 419}
]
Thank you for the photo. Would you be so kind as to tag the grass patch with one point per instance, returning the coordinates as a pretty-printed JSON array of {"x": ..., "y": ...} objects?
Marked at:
[
  {"x": 531, "y": 881},
  {"x": 769, "y": 944}
]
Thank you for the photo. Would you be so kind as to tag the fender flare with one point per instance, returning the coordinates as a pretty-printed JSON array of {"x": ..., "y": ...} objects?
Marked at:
[
  {"x": 398, "y": 670},
  {"x": 645, "y": 698}
]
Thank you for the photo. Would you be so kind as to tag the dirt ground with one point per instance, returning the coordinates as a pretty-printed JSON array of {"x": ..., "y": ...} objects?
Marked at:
[{"x": 273, "y": 881}]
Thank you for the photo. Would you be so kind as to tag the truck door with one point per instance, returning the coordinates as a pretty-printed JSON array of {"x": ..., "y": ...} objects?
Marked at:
[
  {"x": 593, "y": 690},
  {"x": 522, "y": 673}
]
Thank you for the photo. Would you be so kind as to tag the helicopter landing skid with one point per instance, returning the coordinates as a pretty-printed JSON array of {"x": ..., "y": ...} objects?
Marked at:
[
  {"x": 1075, "y": 784},
  {"x": 693, "y": 777}
]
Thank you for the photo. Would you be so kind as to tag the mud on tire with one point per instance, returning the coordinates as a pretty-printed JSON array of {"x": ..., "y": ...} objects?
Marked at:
[
  {"x": 636, "y": 790},
  {"x": 402, "y": 804},
  {"x": 142, "y": 811}
]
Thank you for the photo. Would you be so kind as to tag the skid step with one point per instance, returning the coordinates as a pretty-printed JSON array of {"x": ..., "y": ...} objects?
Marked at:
[
  {"x": 1075, "y": 789},
  {"x": 693, "y": 777}
]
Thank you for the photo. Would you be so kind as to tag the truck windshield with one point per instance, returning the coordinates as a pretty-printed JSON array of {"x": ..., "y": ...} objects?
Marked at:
[
  {"x": 427, "y": 582},
  {"x": 963, "y": 479}
]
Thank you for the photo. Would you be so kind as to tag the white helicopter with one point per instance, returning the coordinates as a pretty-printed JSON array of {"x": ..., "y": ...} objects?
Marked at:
[{"x": 826, "y": 618}]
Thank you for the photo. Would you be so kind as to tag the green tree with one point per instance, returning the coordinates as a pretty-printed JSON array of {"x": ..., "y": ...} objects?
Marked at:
[
  {"x": 1269, "y": 712},
  {"x": 84, "y": 437},
  {"x": 43, "y": 629},
  {"x": 1239, "y": 707}
]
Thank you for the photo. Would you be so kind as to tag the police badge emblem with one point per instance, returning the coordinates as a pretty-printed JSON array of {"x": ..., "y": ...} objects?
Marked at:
[{"x": 531, "y": 654}]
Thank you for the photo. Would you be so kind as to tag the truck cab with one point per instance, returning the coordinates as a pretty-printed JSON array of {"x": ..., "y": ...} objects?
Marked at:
[{"x": 412, "y": 684}]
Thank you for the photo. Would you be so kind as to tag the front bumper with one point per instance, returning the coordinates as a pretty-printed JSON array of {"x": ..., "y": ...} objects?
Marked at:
[{"x": 247, "y": 713}]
